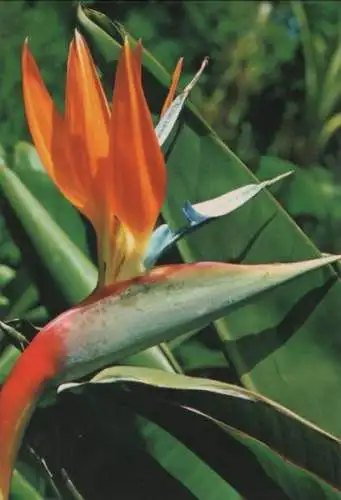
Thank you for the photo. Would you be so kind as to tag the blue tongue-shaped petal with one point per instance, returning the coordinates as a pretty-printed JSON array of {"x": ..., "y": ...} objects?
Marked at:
[
  {"x": 163, "y": 238},
  {"x": 193, "y": 217},
  {"x": 227, "y": 203}
]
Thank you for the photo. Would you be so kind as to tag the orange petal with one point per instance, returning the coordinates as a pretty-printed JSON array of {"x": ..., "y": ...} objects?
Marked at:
[
  {"x": 87, "y": 117},
  {"x": 173, "y": 87},
  {"x": 138, "y": 173},
  {"x": 137, "y": 57},
  {"x": 48, "y": 130}
]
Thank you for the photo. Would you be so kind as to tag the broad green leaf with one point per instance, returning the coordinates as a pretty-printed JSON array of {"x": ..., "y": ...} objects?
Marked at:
[
  {"x": 171, "y": 469},
  {"x": 312, "y": 196},
  {"x": 200, "y": 354},
  {"x": 125, "y": 447},
  {"x": 184, "y": 464},
  {"x": 155, "y": 357},
  {"x": 286, "y": 344},
  {"x": 196, "y": 357},
  {"x": 71, "y": 270},
  {"x": 297, "y": 455}
]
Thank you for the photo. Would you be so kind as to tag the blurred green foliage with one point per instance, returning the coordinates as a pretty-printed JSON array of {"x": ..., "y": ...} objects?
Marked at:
[
  {"x": 247, "y": 42},
  {"x": 44, "y": 26},
  {"x": 253, "y": 93}
]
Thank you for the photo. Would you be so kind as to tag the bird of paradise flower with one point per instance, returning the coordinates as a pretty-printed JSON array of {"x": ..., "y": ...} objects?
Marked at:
[{"x": 108, "y": 163}]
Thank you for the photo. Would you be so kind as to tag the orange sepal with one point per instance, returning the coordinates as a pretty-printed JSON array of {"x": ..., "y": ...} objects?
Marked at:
[
  {"x": 48, "y": 130},
  {"x": 173, "y": 87},
  {"x": 137, "y": 58},
  {"x": 138, "y": 170},
  {"x": 87, "y": 118}
]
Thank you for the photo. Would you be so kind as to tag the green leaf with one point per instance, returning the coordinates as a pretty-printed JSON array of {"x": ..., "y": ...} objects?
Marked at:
[
  {"x": 74, "y": 275},
  {"x": 195, "y": 356},
  {"x": 183, "y": 464},
  {"x": 156, "y": 461},
  {"x": 285, "y": 344},
  {"x": 298, "y": 456},
  {"x": 21, "y": 488},
  {"x": 154, "y": 357},
  {"x": 312, "y": 196}
]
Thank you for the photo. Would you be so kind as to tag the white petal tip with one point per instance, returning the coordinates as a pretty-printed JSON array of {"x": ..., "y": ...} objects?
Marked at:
[
  {"x": 269, "y": 182},
  {"x": 196, "y": 77},
  {"x": 65, "y": 387}
]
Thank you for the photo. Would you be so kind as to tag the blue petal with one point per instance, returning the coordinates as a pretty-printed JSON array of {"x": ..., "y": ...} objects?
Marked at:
[
  {"x": 192, "y": 215},
  {"x": 227, "y": 203},
  {"x": 164, "y": 238}
]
